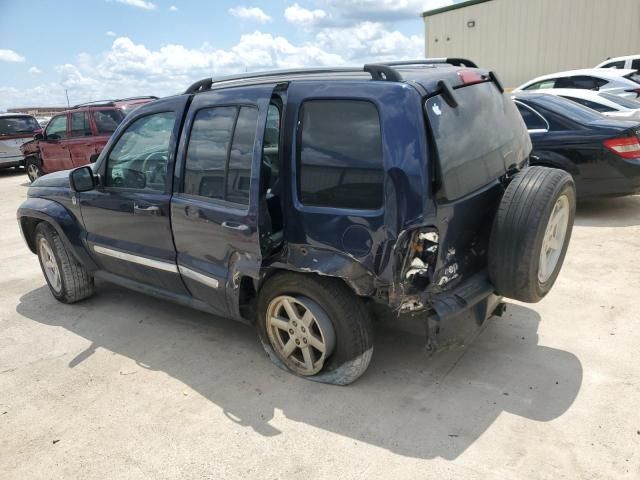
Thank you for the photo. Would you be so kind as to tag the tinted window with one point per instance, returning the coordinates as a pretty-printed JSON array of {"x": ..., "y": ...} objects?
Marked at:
[
  {"x": 80, "y": 124},
  {"x": 581, "y": 81},
  {"x": 636, "y": 64},
  {"x": 340, "y": 155},
  {"x": 107, "y": 120},
  {"x": 17, "y": 125},
  {"x": 477, "y": 141},
  {"x": 532, "y": 120},
  {"x": 241, "y": 155},
  {"x": 623, "y": 101},
  {"x": 139, "y": 158},
  {"x": 619, "y": 64},
  {"x": 208, "y": 151},
  {"x": 57, "y": 128},
  {"x": 270, "y": 167},
  {"x": 542, "y": 85},
  {"x": 598, "y": 107}
]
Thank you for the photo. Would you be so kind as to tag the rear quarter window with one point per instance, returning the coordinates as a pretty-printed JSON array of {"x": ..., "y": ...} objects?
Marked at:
[{"x": 340, "y": 162}]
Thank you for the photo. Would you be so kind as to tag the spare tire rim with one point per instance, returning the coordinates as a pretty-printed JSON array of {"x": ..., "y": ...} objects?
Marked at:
[
  {"x": 300, "y": 332},
  {"x": 49, "y": 265},
  {"x": 32, "y": 171},
  {"x": 553, "y": 241}
]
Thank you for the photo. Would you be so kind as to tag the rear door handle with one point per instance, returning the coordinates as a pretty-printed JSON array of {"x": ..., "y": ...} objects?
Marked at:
[
  {"x": 241, "y": 227},
  {"x": 150, "y": 210}
]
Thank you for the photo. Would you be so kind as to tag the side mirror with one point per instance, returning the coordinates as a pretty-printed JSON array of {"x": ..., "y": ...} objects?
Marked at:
[
  {"x": 53, "y": 136},
  {"x": 82, "y": 179},
  {"x": 38, "y": 136}
]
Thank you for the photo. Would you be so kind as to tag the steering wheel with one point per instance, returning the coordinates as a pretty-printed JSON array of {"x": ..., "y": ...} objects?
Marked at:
[{"x": 156, "y": 164}]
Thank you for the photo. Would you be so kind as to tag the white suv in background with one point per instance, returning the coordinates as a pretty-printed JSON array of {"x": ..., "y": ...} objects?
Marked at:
[
  {"x": 629, "y": 62},
  {"x": 621, "y": 82}
]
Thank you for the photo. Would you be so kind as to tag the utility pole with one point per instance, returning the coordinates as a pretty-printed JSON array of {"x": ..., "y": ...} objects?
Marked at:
[{"x": 67, "y": 94}]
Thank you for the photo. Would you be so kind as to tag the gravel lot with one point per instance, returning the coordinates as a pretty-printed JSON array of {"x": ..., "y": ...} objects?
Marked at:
[{"x": 128, "y": 387}]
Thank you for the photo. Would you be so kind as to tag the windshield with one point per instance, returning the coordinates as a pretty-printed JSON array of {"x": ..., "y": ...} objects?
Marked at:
[
  {"x": 622, "y": 101},
  {"x": 18, "y": 125}
]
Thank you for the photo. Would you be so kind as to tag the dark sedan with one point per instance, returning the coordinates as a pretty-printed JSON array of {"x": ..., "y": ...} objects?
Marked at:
[{"x": 602, "y": 154}]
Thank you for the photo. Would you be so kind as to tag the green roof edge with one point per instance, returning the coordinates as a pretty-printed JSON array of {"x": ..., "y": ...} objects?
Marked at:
[{"x": 455, "y": 6}]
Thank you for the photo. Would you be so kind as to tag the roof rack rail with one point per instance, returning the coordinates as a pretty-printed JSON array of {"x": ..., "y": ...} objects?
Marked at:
[
  {"x": 456, "y": 62},
  {"x": 110, "y": 103},
  {"x": 382, "y": 71}
]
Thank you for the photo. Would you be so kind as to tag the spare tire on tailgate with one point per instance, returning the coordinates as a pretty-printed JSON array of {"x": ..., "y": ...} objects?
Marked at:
[{"x": 531, "y": 233}]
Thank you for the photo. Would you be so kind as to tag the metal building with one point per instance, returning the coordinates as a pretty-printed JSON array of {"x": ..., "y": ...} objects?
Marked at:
[{"x": 522, "y": 39}]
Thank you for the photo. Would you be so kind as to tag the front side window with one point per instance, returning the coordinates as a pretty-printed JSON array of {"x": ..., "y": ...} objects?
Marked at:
[
  {"x": 80, "y": 124},
  {"x": 107, "y": 120},
  {"x": 57, "y": 128},
  {"x": 584, "y": 82},
  {"x": 618, "y": 64},
  {"x": 598, "y": 107},
  {"x": 139, "y": 158},
  {"x": 220, "y": 153},
  {"x": 340, "y": 162},
  {"x": 635, "y": 65}
]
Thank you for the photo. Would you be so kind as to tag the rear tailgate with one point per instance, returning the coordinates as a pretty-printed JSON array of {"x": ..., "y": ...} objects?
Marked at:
[{"x": 476, "y": 143}]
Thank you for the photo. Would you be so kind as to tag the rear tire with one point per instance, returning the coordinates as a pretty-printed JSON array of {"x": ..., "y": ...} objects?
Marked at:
[
  {"x": 531, "y": 233},
  {"x": 32, "y": 166},
  {"x": 341, "y": 324},
  {"x": 68, "y": 281}
]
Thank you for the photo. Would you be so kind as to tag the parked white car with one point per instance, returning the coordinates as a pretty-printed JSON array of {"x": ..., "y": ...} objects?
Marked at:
[
  {"x": 628, "y": 62},
  {"x": 619, "y": 81},
  {"x": 608, "y": 104}
]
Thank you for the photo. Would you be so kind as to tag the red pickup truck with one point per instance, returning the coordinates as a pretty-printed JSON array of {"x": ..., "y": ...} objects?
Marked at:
[{"x": 76, "y": 137}]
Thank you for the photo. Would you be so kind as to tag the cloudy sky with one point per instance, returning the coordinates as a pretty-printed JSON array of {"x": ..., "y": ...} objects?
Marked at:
[{"x": 114, "y": 48}]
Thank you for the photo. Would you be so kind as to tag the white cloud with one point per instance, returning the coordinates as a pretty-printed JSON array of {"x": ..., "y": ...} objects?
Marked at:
[
  {"x": 139, "y": 3},
  {"x": 250, "y": 13},
  {"x": 34, "y": 71},
  {"x": 301, "y": 16},
  {"x": 111, "y": 34},
  {"x": 173, "y": 8},
  {"x": 10, "y": 56}
]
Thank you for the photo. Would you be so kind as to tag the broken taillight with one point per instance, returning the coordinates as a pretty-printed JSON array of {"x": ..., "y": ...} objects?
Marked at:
[
  {"x": 421, "y": 257},
  {"x": 469, "y": 77},
  {"x": 625, "y": 147}
]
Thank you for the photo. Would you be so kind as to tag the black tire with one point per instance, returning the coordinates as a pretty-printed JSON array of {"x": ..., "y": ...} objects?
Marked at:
[
  {"x": 33, "y": 168},
  {"x": 519, "y": 230},
  {"x": 348, "y": 314},
  {"x": 75, "y": 282}
]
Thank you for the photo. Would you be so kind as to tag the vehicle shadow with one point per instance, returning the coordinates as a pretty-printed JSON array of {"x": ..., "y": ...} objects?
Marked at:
[
  {"x": 609, "y": 212},
  {"x": 407, "y": 403}
]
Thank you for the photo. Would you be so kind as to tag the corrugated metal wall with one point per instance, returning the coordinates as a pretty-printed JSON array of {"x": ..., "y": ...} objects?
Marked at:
[{"x": 522, "y": 39}]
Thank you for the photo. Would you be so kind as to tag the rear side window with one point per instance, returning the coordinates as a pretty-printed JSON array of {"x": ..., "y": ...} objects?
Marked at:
[
  {"x": 542, "y": 85},
  {"x": 80, "y": 124},
  {"x": 340, "y": 155},
  {"x": 107, "y": 120},
  {"x": 532, "y": 120},
  {"x": 220, "y": 152},
  {"x": 636, "y": 64},
  {"x": 581, "y": 81}
]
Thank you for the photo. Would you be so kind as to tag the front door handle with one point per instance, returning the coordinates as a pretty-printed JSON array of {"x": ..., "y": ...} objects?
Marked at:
[
  {"x": 150, "y": 210},
  {"x": 241, "y": 227}
]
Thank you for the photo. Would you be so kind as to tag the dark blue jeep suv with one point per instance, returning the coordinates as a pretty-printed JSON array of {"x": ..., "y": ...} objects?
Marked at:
[{"x": 297, "y": 200}]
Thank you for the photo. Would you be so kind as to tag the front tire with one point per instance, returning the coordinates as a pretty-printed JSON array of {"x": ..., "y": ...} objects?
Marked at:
[
  {"x": 32, "y": 166},
  {"x": 314, "y": 327},
  {"x": 68, "y": 281}
]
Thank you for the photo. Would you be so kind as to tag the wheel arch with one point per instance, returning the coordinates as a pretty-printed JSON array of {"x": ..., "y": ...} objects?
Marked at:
[
  {"x": 36, "y": 210},
  {"x": 545, "y": 158}
]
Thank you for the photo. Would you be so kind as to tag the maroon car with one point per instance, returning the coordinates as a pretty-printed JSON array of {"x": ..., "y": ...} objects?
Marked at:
[{"x": 76, "y": 137}]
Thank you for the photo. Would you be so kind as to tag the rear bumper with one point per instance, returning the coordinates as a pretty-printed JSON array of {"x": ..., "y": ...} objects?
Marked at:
[
  {"x": 475, "y": 296},
  {"x": 608, "y": 187}
]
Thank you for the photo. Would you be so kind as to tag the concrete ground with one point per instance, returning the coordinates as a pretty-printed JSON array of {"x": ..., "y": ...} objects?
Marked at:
[{"x": 128, "y": 387}]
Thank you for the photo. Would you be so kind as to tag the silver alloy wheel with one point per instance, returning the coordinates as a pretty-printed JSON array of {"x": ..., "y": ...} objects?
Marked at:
[
  {"x": 49, "y": 265},
  {"x": 32, "y": 171},
  {"x": 300, "y": 332},
  {"x": 553, "y": 240}
]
